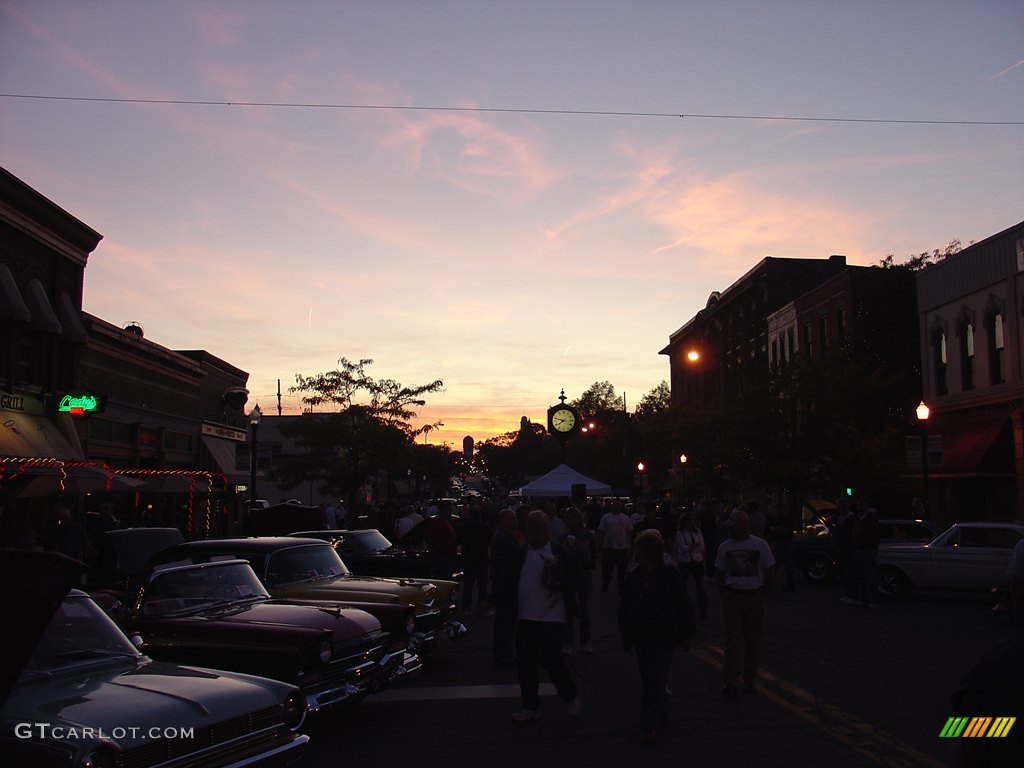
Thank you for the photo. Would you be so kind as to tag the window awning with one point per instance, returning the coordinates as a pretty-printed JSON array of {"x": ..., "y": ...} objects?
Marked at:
[
  {"x": 223, "y": 452},
  {"x": 43, "y": 317},
  {"x": 974, "y": 445},
  {"x": 35, "y": 437},
  {"x": 72, "y": 329},
  {"x": 13, "y": 306}
]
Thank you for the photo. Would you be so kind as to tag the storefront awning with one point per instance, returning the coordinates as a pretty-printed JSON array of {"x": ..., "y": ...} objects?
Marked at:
[
  {"x": 24, "y": 435},
  {"x": 43, "y": 317},
  {"x": 72, "y": 329},
  {"x": 223, "y": 452},
  {"x": 12, "y": 306},
  {"x": 973, "y": 446}
]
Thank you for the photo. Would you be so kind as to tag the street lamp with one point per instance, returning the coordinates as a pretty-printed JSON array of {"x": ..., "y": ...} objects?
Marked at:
[
  {"x": 254, "y": 425},
  {"x": 923, "y": 412}
]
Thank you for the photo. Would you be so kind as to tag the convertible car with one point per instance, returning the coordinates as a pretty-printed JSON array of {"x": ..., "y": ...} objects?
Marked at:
[
  {"x": 87, "y": 697},
  {"x": 310, "y": 569},
  {"x": 219, "y": 615}
]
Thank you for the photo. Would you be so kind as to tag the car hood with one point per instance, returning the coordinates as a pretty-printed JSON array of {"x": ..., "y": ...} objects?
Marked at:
[
  {"x": 368, "y": 588},
  {"x": 343, "y": 622},
  {"x": 152, "y": 695}
]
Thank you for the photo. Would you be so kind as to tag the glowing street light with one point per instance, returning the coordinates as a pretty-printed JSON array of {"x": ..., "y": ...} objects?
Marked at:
[{"x": 923, "y": 412}]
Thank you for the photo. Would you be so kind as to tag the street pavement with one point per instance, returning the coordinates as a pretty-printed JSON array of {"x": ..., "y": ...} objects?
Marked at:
[{"x": 841, "y": 686}]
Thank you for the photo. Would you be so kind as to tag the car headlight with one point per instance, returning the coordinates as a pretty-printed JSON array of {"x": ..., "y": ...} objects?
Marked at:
[
  {"x": 102, "y": 757},
  {"x": 294, "y": 710},
  {"x": 326, "y": 652}
]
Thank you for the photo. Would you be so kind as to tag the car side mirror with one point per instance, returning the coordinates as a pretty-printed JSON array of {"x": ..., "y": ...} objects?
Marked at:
[{"x": 136, "y": 641}]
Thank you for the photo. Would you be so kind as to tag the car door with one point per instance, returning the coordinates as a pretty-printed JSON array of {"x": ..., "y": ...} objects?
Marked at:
[
  {"x": 938, "y": 565},
  {"x": 985, "y": 554}
]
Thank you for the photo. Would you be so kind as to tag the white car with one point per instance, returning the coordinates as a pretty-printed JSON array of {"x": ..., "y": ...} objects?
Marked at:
[{"x": 967, "y": 556}]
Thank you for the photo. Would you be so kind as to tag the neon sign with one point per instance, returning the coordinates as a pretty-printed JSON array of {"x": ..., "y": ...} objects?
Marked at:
[{"x": 78, "y": 405}]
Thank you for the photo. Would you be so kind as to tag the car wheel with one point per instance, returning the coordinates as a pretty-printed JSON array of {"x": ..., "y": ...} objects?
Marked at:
[
  {"x": 817, "y": 568},
  {"x": 892, "y": 582}
]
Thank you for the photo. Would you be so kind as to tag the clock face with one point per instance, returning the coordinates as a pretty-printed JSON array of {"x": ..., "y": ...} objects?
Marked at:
[{"x": 563, "y": 420}]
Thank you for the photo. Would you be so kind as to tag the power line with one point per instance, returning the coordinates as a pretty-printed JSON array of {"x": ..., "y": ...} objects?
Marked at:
[{"x": 504, "y": 110}]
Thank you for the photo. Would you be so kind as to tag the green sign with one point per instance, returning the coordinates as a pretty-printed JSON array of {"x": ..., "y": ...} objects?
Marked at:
[{"x": 79, "y": 404}]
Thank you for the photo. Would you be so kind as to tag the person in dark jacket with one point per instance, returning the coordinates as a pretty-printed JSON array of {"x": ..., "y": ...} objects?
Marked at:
[
  {"x": 655, "y": 617},
  {"x": 504, "y": 552},
  {"x": 866, "y": 538}
]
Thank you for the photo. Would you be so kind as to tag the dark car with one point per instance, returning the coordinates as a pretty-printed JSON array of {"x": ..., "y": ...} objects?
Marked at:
[
  {"x": 367, "y": 552},
  {"x": 310, "y": 569},
  {"x": 87, "y": 697},
  {"x": 816, "y": 554},
  {"x": 219, "y": 615}
]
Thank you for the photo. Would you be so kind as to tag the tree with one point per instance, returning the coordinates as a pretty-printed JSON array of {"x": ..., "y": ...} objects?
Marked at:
[
  {"x": 924, "y": 259},
  {"x": 655, "y": 401},
  {"x": 368, "y": 427},
  {"x": 597, "y": 400}
]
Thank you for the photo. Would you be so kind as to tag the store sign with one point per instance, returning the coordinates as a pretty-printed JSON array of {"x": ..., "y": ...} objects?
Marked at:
[
  {"x": 80, "y": 404},
  {"x": 12, "y": 402}
]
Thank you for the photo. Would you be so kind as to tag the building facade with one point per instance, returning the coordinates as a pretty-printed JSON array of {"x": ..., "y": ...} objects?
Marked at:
[
  {"x": 724, "y": 349},
  {"x": 971, "y": 306}
]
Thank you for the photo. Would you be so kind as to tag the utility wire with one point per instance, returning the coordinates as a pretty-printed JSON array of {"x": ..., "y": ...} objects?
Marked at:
[{"x": 499, "y": 110}]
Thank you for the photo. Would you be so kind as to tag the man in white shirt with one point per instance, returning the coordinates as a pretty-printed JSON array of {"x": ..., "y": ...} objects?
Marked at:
[
  {"x": 614, "y": 535},
  {"x": 744, "y": 567},
  {"x": 548, "y": 576}
]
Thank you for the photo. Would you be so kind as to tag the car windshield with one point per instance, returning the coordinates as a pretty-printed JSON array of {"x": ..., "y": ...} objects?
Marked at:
[
  {"x": 79, "y": 633},
  {"x": 189, "y": 588},
  {"x": 306, "y": 563},
  {"x": 365, "y": 541}
]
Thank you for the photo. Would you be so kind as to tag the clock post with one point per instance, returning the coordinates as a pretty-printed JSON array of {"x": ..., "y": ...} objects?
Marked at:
[{"x": 563, "y": 421}]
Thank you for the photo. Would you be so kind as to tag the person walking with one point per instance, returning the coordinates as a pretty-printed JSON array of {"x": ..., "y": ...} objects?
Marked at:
[
  {"x": 690, "y": 555},
  {"x": 474, "y": 539},
  {"x": 584, "y": 542},
  {"x": 548, "y": 576},
  {"x": 442, "y": 543},
  {"x": 654, "y": 618},
  {"x": 780, "y": 538},
  {"x": 504, "y": 551},
  {"x": 744, "y": 566},
  {"x": 841, "y": 525},
  {"x": 614, "y": 533},
  {"x": 866, "y": 537}
]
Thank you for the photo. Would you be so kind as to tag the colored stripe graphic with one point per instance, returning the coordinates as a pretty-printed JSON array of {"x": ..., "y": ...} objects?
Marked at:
[
  {"x": 1002, "y": 726},
  {"x": 976, "y": 727},
  {"x": 953, "y": 728}
]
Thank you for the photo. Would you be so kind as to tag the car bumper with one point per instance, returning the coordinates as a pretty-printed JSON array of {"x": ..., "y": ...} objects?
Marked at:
[
  {"x": 367, "y": 678},
  {"x": 282, "y": 755}
]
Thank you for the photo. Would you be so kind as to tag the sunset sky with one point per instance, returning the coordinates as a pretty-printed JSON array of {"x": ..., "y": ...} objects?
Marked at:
[{"x": 515, "y": 197}]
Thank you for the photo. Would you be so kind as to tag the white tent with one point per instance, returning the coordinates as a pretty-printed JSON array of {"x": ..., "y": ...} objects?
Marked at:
[{"x": 559, "y": 482}]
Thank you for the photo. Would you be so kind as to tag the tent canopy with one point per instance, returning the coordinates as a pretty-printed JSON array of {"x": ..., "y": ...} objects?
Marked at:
[{"x": 559, "y": 482}]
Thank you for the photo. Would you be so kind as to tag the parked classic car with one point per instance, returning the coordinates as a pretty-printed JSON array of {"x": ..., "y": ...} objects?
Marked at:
[
  {"x": 219, "y": 615},
  {"x": 967, "y": 556},
  {"x": 816, "y": 554},
  {"x": 88, "y": 697},
  {"x": 367, "y": 552},
  {"x": 298, "y": 569}
]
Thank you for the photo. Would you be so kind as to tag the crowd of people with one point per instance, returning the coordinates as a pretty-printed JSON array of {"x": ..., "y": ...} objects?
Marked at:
[{"x": 536, "y": 567}]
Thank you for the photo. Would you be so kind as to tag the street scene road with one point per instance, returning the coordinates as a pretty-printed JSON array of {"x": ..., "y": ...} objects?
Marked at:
[{"x": 841, "y": 686}]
